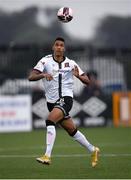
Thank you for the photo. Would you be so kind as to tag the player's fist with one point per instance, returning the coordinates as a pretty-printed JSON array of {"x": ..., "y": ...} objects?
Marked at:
[
  {"x": 48, "y": 77},
  {"x": 76, "y": 71}
]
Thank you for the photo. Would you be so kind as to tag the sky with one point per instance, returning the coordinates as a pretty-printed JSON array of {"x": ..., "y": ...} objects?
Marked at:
[{"x": 86, "y": 13}]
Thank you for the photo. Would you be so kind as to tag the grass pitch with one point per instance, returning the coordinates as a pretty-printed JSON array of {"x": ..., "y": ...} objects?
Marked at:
[{"x": 70, "y": 160}]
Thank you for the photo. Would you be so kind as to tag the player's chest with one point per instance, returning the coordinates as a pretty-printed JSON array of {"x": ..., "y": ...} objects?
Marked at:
[{"x": 57, "y": 69}]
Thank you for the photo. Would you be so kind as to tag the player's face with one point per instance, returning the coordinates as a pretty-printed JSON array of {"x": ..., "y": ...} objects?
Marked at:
[{"x": 59, "y": 48}]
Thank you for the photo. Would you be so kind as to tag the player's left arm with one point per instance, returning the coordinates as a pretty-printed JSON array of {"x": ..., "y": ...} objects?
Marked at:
[{"x": 82, "y": 77}]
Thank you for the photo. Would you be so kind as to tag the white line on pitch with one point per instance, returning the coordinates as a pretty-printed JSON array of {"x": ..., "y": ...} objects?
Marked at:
[
  {"x": 63, "y": 146},
  {"x": 61, "y": 155}
]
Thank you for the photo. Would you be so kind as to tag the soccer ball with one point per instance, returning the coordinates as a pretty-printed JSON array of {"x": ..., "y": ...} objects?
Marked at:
[{"x": 65, "y": 14}]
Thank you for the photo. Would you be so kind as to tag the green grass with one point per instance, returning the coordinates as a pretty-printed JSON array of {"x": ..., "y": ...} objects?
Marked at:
[{"x": 70, "y": 160}]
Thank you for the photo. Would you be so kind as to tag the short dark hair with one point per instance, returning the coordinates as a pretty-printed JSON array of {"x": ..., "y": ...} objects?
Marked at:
[{"x": 60, "y": 39}]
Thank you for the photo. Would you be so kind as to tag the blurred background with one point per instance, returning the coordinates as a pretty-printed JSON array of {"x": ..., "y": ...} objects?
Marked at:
[{"x": 98, "y": 38}]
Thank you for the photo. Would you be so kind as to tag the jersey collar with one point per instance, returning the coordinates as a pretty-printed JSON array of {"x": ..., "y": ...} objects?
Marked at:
[{"x": 57, "y": 61}]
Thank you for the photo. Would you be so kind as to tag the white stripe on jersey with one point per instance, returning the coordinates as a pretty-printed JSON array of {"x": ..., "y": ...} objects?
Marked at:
[{"x": 64, "y": 70}]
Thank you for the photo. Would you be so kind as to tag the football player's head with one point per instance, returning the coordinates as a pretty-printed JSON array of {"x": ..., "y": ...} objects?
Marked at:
[{"x": 59, "y": 46}]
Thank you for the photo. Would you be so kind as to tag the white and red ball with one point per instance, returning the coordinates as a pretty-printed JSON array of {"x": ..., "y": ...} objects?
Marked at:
[{"x": 65, "y": 14}]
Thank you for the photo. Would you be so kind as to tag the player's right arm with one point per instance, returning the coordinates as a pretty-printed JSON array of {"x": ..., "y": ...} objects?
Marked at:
[
  {"x": 37, "y": 75},
  {"x": 38, "y": 72}
]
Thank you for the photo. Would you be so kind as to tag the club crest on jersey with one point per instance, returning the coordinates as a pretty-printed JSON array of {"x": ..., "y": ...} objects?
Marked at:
[{"x": 67, "y": 65}]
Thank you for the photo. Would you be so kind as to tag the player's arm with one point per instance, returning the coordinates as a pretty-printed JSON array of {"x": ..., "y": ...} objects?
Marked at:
[
  {"x": 37, "y": 75},
  {"x": 83, "y": 78}
]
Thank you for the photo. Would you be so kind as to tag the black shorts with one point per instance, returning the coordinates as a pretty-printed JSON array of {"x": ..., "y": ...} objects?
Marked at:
[{"x": 65, "y": 104}]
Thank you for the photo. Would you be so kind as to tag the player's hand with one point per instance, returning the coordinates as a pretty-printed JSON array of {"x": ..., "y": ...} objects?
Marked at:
[
  {"x": 48, "y": 77},
  {"x": 76, "y": 71}
]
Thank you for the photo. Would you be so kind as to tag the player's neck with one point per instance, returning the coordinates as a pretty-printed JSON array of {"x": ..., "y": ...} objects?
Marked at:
[{"x": 58, "y": 58}]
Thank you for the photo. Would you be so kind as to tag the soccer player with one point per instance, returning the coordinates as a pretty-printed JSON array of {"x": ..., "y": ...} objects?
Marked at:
[{"x": 57, "y": 73}]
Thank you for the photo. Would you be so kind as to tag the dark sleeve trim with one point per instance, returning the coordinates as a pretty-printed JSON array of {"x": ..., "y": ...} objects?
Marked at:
[
  {"x": 37, "y": 70},
  {"x": 83, "y": 74}
]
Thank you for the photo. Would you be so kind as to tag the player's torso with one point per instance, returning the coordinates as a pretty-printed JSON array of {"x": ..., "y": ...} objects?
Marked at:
[
  {"x": 62, "y": 83},
  {"x": 55, "y": 68}
]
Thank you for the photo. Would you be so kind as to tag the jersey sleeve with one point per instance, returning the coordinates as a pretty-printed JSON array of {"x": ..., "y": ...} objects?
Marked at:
[
  {"x": 80, "y": 70},
  {"x": 40, "y": 65}
]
